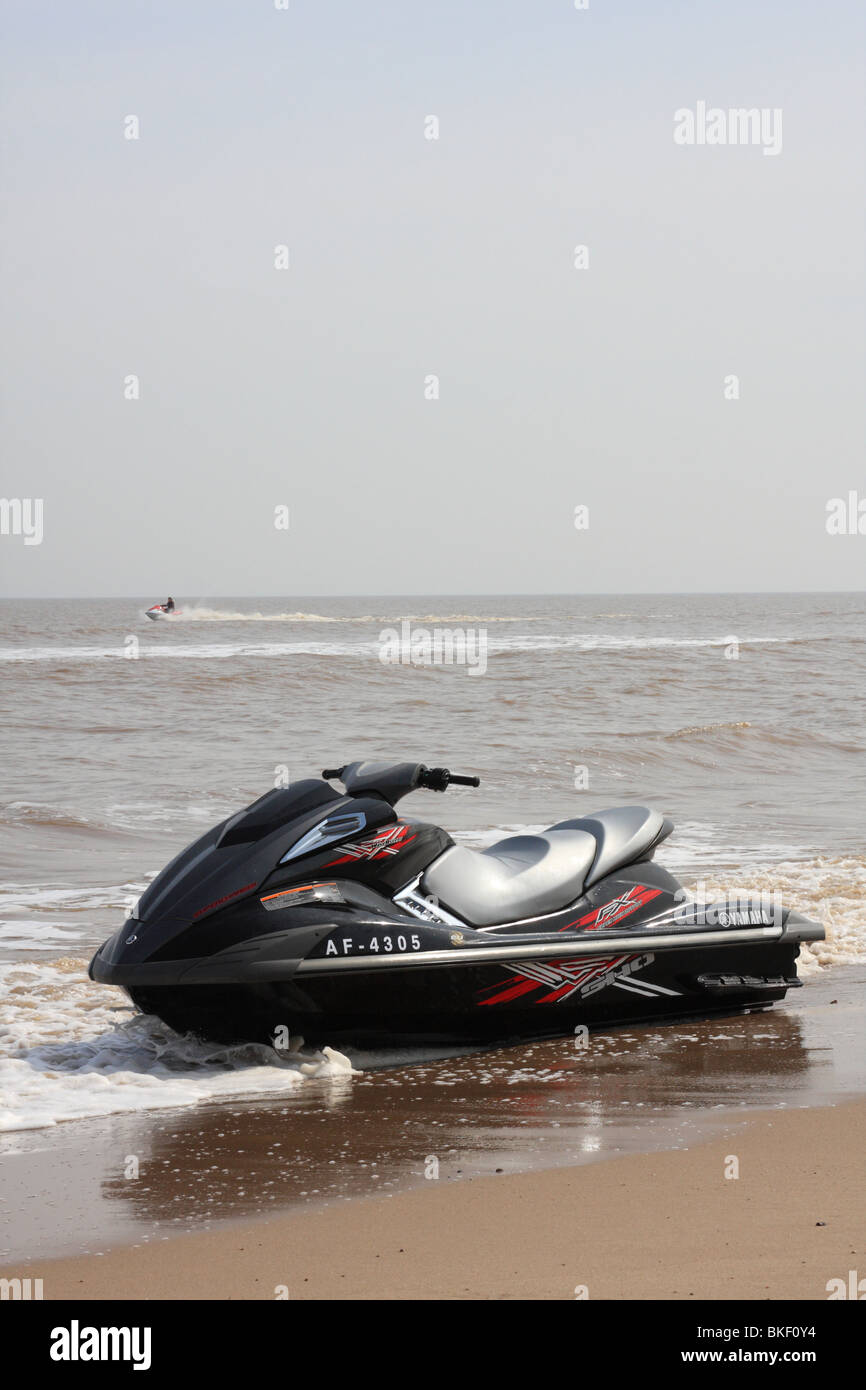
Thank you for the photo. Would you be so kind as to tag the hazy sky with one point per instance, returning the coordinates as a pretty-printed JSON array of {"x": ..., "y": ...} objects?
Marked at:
[{"x": 412, "y": 257}]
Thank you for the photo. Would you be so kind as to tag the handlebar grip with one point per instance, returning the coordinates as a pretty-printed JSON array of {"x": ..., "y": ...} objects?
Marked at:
[
  {"x": 330, "y": 772},
  {"x": 437, "y": 779}
]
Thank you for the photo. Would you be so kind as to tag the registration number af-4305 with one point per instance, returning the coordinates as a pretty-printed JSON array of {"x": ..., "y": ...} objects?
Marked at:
[{"x": 377, "y": 943}]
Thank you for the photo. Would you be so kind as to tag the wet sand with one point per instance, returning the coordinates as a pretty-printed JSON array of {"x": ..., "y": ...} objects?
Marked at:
[
  {"x": 773, "y": 1210},
  {"x": 73, "y": 1189}
]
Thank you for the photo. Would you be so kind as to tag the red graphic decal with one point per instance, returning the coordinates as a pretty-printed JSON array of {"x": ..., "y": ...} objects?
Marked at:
[
  {"x": 561, "y": 978},
  {"x": 614, "y": 911},
  {"x": 218, "y": 901},
  {"x": 380, "y": 846}
]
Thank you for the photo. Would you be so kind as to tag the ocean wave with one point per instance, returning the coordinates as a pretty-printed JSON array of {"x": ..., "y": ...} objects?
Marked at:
[
  {"x": 705, "y": 744},
  {"x": 121, "y": 817},
  {"x": 48, "y": 898},
  {"x": 497, "y": 647},
  {"x": 444, "y": 618},
  {"x": 73, "y": 1050},
  {"x": 39, "y": 813},
  {"x": 829, "y": 890},
  {"x": 605, "y": 641},
  {"x": 694, "y": 729},
  {"x": 204, "y": 651},
  {"x": 28, "y": 936}
]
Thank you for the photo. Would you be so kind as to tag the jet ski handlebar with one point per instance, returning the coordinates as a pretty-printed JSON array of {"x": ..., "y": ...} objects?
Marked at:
[
  {"x": 437, "y": 779},
  {"x": 394, "y": 780}
]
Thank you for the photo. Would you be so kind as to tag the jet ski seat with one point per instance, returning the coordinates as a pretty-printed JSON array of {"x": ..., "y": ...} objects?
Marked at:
[
  {"x": 624, "y": 835},
  {"x": 530, "y": 875}
]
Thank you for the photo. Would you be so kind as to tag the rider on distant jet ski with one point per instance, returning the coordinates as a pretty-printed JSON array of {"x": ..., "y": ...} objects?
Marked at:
[{"x": 168, "y": 606}]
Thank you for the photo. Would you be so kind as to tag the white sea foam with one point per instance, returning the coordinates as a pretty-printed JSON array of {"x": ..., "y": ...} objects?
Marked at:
[
  {"x": 59, "y": 901},
  {"x": 826, "y": 889},
  {"x": 31, "y": 936},
  {"x": 202, "y": 651},
  {"x": 151, "y": 647},
  {"x": 831, "y": 891},
  {"x": 70, "y": 1049},
  {"x": 201, "y": 614}
]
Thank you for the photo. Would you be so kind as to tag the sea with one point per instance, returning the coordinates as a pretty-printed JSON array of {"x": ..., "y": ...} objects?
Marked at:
[{"x": 741, "y": 717}]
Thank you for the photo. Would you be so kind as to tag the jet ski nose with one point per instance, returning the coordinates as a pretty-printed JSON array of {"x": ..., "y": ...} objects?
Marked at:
[{"x": 123, "y": 948}]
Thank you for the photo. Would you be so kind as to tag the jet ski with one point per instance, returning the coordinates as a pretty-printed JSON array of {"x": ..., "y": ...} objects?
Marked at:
[
  {"x": 160, "y": 610},
  {"x": 330, "y": 915}
]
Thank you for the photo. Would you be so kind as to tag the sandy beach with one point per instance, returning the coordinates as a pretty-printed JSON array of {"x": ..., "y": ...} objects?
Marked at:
[
  {"x": 666, "y": 1225},
  {"x": 557, "y": 1168}
]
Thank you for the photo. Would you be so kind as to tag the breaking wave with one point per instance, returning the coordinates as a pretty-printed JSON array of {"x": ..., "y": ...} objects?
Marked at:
[
  {"x": 498, "y": 647},
  {"x": 73, "y": 1050}
]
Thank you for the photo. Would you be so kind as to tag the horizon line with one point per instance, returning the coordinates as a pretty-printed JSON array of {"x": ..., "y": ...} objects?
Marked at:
[{"x": 540, "y": 593}]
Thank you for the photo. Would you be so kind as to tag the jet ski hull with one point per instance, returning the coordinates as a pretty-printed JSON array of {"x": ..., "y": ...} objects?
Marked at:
[
  {"x": 541, "y": 992},
  {"x": 319, "y": 914}
]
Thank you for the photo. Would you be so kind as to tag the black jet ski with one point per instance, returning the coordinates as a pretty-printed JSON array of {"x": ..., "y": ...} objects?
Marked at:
[{"x": 330, "y": 915}]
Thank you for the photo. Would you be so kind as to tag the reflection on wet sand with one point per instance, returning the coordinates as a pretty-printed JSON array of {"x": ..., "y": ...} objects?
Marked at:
[
  {"x": 394, "y": 1122},
  {"x": 543, "y": 1105}
]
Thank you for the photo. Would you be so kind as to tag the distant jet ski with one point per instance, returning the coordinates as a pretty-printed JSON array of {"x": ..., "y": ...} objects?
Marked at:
[{"x": 161, "y": 610}]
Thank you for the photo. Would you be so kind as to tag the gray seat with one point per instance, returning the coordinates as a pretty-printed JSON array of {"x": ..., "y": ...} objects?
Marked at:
[
  {"x": 530, "y": 875},
  {"x": 624, "y": 835},
  {"x": 523, "y": 876}
]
